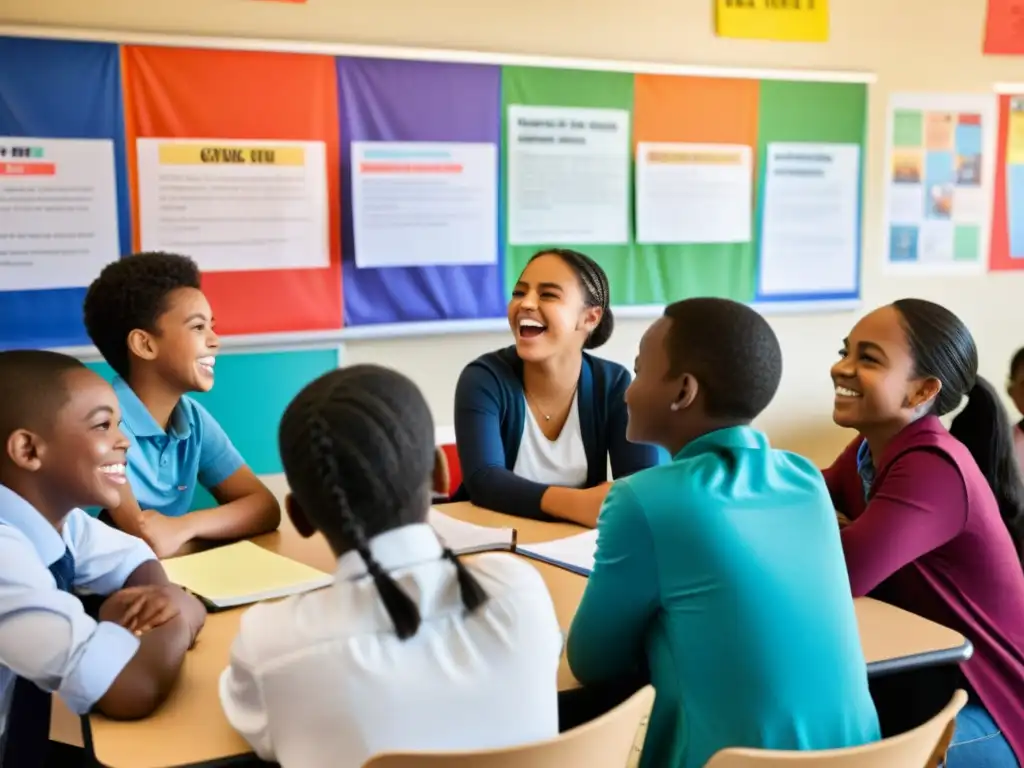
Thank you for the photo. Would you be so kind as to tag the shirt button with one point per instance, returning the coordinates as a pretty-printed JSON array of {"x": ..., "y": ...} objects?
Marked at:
[{"x": 163, "y": 462}]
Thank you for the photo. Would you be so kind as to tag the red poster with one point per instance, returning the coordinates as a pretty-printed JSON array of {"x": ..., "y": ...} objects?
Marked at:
[
  {"x": 209, "y": 94},
  {"x": 1004, "y": 27}
]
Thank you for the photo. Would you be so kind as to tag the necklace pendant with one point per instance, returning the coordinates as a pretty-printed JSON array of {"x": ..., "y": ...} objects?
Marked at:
[{"x": 547, "y": 418}]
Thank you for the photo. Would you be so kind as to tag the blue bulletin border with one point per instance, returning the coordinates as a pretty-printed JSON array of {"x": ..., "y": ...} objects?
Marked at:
[{"x": 60, "y": 90}]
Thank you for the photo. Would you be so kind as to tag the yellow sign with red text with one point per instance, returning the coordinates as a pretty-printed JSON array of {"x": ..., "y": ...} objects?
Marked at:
[{"x": 786, "y": 20}]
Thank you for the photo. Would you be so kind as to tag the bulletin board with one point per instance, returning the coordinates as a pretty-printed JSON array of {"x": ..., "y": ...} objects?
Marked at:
[
  {"x": 1007, "y": 238},
  {"x": 332, "y": 119}
]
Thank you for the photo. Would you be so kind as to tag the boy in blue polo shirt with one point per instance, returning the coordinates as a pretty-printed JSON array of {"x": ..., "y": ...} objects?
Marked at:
[
  {"x": 62, "y": 449},
  {"x": 148, "y": 317},
  {"x": 722, "y": 573}
]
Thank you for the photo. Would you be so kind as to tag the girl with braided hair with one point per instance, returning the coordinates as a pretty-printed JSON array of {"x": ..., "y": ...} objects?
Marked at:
[
  {"x": 410, "y": 648},
  {"x": 537, "y": 422}
]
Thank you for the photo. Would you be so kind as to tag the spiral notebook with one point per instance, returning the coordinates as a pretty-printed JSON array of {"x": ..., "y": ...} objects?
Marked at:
[
  {"x": 574, "y": 553},
  {"x": 242, "y": 573}
]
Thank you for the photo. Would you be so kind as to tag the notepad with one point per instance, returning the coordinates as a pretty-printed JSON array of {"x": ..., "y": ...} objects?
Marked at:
[
  {"x": 466, "y": 538},
  {"x": 242, "y": 573},
  {"x": 574, "y": 553}
]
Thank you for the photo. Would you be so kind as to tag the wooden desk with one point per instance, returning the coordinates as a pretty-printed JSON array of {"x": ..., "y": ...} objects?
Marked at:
[{"x": 191, "y": 727}]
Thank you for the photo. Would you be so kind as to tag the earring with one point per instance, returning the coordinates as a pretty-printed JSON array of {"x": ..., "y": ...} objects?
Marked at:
[{"x": 674, "y": 407}]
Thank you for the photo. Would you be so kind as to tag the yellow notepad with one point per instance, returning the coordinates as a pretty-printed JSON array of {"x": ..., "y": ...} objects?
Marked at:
[{"x": 242, "y": 573}]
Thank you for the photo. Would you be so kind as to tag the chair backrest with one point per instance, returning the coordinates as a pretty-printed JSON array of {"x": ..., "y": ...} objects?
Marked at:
[
  {"x": 445, "y": 439},
  {"x": 606, "y": 742},
  {"x": 923, "y": 747}
]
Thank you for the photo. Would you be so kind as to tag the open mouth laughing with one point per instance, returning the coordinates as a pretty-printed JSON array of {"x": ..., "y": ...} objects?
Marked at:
[{"x": 530, "y": 328}]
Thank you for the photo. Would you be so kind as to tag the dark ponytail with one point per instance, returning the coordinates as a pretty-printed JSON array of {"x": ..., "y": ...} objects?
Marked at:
[
  {"x": 400, "y": 607},
  {"x": 357, "y": 445},
  {"x": 984, "y": 427},
  {"x": 596, "y": 291},
  {"x": 943, "y": 349}
]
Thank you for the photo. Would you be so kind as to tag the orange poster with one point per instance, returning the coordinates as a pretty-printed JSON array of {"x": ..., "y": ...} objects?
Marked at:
[{"x": 1004, "y": 27}]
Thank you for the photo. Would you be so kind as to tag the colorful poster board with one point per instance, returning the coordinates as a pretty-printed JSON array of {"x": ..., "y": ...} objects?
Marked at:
[
  {"x": 1007, "y": 234},
  {"x": 939, "y": 182},
  {"x": 323, "y": 193}
]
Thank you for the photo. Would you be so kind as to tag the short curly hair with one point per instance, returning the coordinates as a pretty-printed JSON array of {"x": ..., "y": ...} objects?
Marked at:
[{"x": 131, "y": 294}]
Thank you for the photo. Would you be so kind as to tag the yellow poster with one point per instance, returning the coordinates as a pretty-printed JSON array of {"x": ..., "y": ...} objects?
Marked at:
[
  {"x": 789, "y": 20},
  {"x": 1015, "y": 132}
]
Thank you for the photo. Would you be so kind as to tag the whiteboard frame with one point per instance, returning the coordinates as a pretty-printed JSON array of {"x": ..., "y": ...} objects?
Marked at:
[
  {"x": 407, "y": 53},
  {"x": 319, "y": 339}
]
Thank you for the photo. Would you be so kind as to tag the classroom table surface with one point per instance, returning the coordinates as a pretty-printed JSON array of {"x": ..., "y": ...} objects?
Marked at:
[{"x": 191, "y": 727}]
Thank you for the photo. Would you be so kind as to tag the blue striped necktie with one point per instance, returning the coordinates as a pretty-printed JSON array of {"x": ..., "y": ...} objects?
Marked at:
[{"x": 28, "y": 725}]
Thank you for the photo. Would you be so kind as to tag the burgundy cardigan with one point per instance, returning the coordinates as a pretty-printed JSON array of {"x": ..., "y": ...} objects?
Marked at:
[{"x": 930, "y": 535}]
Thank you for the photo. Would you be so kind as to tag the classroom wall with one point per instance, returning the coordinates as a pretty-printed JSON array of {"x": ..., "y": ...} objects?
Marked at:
[{"x": 912, "y": 45}]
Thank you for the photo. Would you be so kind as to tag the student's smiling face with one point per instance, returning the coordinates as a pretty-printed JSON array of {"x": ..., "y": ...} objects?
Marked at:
[
  {"x": 79, "y": 451},
  {"x": 875, "y": 381},
  {"x": 185, "y": 346},
  {"x": 547, "y": 312}
]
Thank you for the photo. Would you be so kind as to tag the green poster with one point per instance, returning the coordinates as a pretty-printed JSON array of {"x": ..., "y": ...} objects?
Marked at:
[
  {"x": 532, "y": 86},
  {"x": 790, "y": 111}
]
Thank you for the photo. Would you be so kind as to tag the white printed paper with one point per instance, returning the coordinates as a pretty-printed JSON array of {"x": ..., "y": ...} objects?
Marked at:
[
  {"x": 693, "y": 193},
  {"x": 419, "y": 204},
  {"x": 810, "y": 228},
  {"x": 568, "y": 175},
  {"x": 58, "y": 212},
  {"x": 466, "y": 538},
  {"x": 235, "y": 205},
  {"x": 573, "y": 552}
]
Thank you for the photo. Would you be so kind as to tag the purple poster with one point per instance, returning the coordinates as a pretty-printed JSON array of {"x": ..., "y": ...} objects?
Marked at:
[{"x": 411, "y": 101}]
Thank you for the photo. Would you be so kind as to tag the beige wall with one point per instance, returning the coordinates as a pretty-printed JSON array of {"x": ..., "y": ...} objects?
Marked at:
[{"x": 910, "y": 44}]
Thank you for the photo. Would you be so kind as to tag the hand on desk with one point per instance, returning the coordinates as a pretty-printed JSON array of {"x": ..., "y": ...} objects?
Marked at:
[
  {"x": 165, "y": 535},
  {"x": 577, "y": 505},
  {"x": 143, "y": 609}
]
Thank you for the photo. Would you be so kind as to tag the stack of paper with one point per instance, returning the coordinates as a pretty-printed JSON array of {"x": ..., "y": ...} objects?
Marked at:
[
  {"x": 575, "y": 553},
  {"x": 242, "y": 573},
  {"x": 466, "y": 538}
]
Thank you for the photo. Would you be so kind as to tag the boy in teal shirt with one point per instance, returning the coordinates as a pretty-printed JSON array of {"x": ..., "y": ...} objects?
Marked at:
[
  {"x": 148, "y": 317},
  {"x": 722, "y": 572}
]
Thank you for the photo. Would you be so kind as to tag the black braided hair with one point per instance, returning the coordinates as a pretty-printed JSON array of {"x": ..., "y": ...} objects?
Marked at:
[
  {"x": 357, "y": 445},
  {"x": 596, "y": 292}
]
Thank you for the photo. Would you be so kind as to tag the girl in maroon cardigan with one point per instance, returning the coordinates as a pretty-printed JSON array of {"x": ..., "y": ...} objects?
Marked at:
[{"x": 936, "y": 515}]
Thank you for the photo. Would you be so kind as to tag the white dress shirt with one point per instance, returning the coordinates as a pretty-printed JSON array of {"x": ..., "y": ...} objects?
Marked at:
[
  {"x": 45, "y": 634},
  {"x": 562, "y": 461},
  {"x": 322, "y": 679}
]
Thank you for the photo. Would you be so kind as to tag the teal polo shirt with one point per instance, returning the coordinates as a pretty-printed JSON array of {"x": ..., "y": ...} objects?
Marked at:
[
  {"x": 722, "y": 573},
  {"x": 165, "y": 467}
]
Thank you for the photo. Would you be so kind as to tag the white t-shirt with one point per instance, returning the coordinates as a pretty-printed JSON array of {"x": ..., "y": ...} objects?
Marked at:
[
  {"x": 322, "y": 679},
  {"x": 562, "y": 461}
]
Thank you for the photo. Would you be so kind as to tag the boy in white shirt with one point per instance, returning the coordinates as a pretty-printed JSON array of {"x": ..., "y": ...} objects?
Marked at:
[
  {"x": 62, "y": 449},
  {"x": 409, "y": 649}
]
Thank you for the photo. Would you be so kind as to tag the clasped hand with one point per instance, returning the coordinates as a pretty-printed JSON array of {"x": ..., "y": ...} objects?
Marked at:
[{"x": 143, "y": 609}]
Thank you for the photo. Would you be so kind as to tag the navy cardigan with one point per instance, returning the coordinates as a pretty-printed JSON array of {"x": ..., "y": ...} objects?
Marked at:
[{"x": 490, "y": 412}]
